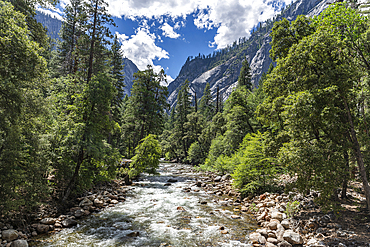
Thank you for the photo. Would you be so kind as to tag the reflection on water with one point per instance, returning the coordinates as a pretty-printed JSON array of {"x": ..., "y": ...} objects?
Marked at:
[{"x": 157, "y": 213}]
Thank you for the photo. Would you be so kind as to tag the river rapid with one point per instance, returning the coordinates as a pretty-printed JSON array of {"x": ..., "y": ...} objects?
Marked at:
[{"x": 158, "y": 212}]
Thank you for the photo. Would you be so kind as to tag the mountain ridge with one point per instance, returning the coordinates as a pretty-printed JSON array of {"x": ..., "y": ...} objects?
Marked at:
[{"x": 223, "y": 73}]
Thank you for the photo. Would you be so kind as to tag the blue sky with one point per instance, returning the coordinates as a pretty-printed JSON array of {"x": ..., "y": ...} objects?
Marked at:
[{"x": 163, "y": 33}]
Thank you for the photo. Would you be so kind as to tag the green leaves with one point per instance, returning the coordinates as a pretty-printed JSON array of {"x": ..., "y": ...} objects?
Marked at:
[{"x": 146, "y": 158}]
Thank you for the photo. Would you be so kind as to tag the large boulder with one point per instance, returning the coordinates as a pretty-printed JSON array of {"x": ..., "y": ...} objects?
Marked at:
[
  {"x": 69, "y": 222},
  {"x": 19, "y": 243},
  {"x": 86, "y": 203},
  {"x": 41, "y": 228},
  {"x": 292, "y": 237},
  {"x": 10, "y": 235},
  {"x": 98, "y": 203},
  {"x": 48, "y": 221}
]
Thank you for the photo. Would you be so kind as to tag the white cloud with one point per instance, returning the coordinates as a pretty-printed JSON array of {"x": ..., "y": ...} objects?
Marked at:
[
  {"x": 169, "y": 32},
  {"x": 141, "y": 49},
  {"x": 232, "y": 18}
]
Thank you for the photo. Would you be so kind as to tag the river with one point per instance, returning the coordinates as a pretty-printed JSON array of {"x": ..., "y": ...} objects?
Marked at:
[{"x": 159, "y": 213}]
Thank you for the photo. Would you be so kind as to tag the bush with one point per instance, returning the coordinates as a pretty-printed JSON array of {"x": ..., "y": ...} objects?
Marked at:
[
  {"x": 147, "y": 155},
  {"x": 254, "y": 170}
]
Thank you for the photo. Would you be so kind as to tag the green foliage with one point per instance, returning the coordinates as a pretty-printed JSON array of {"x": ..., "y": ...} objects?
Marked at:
[
  {"x": 245, "y": 77},
  {"x": 254, "y": 171},
  {"x": 146, "y": 158},
  {"x": 23, "y": 146},
  {"x": 311, "y": 92},
  {"x": 292, "y": 209}
]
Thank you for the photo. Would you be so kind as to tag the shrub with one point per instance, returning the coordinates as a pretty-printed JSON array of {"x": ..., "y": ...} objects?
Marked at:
[{"x": 146, "y": 158}]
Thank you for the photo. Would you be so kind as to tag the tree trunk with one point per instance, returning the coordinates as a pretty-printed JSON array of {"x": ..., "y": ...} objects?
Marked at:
[
  {"x": 91, "y": 58},
  {"x": 358, "y": 155},
  {"x": 74, "y": 178},
  {"x": 345, "y": 177}
]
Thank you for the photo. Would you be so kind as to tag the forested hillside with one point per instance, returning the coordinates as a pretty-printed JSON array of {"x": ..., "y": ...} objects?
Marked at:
[{"x": 221, "y": 69}]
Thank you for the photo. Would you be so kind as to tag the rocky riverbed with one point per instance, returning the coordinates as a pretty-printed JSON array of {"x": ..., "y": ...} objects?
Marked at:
[{"x": 285, "y": 219}]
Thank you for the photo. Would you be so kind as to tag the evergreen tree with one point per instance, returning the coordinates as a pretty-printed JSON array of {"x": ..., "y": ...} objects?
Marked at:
[
  {"x": 206, "y": 106},
  {"x": 23, "y": 118},
  {"x": 71, "y": 31},
  {"x": 147, "y": 104},
  {"x": 245, "y": 77},
  {"x": 183, "y": 109}
]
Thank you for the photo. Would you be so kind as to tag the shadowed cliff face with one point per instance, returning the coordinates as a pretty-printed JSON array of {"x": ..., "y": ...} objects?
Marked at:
[
  {"x": 129, "y": 70},
  {"x": 224, "y": 72}
]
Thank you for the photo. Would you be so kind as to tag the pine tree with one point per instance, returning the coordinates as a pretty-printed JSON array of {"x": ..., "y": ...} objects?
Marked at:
[
  {"x": 245, "y": 77},
  {"x": 206, "y": 106}
]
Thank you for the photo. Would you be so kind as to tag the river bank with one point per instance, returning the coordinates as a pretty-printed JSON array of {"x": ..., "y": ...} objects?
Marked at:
[{"x": 187, "y": 203}]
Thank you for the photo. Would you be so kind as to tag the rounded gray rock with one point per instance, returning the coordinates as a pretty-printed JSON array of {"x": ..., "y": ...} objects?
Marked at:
[{"x": 19, "y": 243}]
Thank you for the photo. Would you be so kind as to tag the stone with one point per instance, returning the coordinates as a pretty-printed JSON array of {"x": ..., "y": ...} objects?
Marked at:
[
  {"x": 19, "y": 243},
  {"x": 244, "y": 209},
  {"x": 284, "y": 244},
  {"x": 224, "y": 232},
  {"x": 218, "y": 179},
  {"x": 133, "y": 234},
  {"x": 278, "y": 215},
  {"x": 254, "y": 237},
  {"x": 48, "y": 221},
  {"x": 172, "y": 180},
  {"x": 98, "y": 203},
  {"x": 270, "y": 204},
  {"x": 263, "y": 197},
  {"x": 181, "y": 208},
  {"x": 114, "y": 202},
  {"x": 292, "y": 237},
  {"x": 285, "y": 223},
  {"x": 270, "y": 245},
  {"x": 198, "y": 184},
  {"x": 10, "y": 235},
  {"x": 271, "y": 234},
  {"x": 262, "y": 240},
  {"x": 263, "y": 232},
  {"x": 69, "y": 223},
  {"x": 272, "y": 240},
  {"x": 34, "y": 234},
  {"x": 272, "y": 225},
  {"x": 86, "y": 202},
  {"x": 342, "y": 245},
  {"x": 280, "y": 232},
  {"x": 41, "y": 228},
  {"x": 203, "y": 202},
  {"x": 235, "y": 216}
]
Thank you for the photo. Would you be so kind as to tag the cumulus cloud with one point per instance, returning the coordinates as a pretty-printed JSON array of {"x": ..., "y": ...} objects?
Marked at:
[
  {"x": 141, "y": 49},
  {"x": 169, "y": 32}
]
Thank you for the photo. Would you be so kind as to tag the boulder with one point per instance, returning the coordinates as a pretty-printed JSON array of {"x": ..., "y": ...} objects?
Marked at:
[
  {"x": 272, "y": 240},
  {"x": 284, "y": 244},
  {"x": 278, "y": 215},
  {"x": 272, "y": 225},
  {"x": 48, "y": 221},
  {"x": 268, "y": 244},
  {"x": 10, "y": 235},
  {"x": 254, "y": 237},
  {"x": 79, "y": 213},
  {"x": 69, "y": 222},
  {"x": 172, "y": 180},
  {"x": 292, "y": 237},
  {"x": 86, "y": 203},
  {"x": 285, "y": 223},
  {"x": 41, "y": 228},
  {"x": 98, "y": 203},
  {"x": 280, "y": 232},
  {"x": 19, "y": 243}
]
